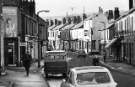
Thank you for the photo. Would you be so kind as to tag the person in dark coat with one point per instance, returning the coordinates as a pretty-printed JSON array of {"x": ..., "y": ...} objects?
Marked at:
[
  {"x": 95, "y": 61},
  {"x": 27, "y": 62}
]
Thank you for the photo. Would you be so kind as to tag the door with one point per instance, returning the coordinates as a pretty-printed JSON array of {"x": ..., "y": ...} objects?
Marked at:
[
  {"x": 11, "y": 53},
  {"x": 11, "y": 50}
]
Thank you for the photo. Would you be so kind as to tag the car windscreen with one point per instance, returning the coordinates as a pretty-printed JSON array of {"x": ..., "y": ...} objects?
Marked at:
[
  {"x": 92, "y": 78},
  {"x": 55, "y": 58}
]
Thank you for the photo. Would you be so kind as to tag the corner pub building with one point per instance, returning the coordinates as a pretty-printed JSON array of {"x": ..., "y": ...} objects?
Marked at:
[{"x": 20, "y": 30}]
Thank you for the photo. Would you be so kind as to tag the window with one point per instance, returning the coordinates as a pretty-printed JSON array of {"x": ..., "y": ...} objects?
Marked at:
[
  {"x": 125, "y": 26},
  {"x": 85, "y": 32},
  {"x": 122, "y": 28},
  {"x": 92, "y": 78},
  {"x": 55, "y": 56},
  {"x": 128, "y": 24},
  {"x": 132, "y": 24}
]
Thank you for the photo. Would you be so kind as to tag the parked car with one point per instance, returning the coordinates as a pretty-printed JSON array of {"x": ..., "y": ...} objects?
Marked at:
[
  {"x": 81, "y": 53},
  {"x": 56, "y": 62},
  {"x": 89, "y": 76}
]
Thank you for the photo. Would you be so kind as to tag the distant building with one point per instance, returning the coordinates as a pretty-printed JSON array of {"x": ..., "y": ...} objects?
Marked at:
[
  {"x": 125, "y": 30},
  {"x": 100, "y": 36}
]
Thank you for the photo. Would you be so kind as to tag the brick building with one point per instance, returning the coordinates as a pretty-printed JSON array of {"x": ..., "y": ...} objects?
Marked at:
[{"x": 21, "y": 31}]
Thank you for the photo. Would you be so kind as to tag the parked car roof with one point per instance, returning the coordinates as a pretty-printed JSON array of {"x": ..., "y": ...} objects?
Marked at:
[
  {"x": 55, "y": 52},
  {"x": 90, "y": 69}
]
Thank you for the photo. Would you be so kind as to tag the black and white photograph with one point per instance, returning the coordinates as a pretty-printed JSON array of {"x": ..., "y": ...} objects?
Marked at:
[{"x": 67, "y": 43}]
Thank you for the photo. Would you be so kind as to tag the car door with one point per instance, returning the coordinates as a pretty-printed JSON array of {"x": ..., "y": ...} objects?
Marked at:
[{"x": 69, "y": 81}]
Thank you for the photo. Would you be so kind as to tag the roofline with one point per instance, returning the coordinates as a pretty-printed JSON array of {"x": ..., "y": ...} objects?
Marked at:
[
  {"x": 122, "y": 16},
  {"x": 74, "y": 69}
]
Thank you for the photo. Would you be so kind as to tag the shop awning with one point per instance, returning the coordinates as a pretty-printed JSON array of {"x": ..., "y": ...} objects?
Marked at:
[{"x": 111, "y": 43}]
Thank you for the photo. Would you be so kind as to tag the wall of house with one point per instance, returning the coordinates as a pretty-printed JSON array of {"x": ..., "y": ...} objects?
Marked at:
[
  {"x": 23, "y": 27},
  {"x": 99, "y": 23},
  {"x": 126, "y": 29}
]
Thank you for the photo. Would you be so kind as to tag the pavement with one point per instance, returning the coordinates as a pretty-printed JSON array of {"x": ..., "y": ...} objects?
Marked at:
[
  {"x": 16, "y": 77},
  {"x": 119, "y": 66},
  {"x": 110, "y": 63}
]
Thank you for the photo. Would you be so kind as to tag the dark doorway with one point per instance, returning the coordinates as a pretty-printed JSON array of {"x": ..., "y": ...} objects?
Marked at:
[{"x": 11, "y": 50}]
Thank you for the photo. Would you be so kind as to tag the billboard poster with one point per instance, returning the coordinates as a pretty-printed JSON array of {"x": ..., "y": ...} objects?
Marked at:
[{"x": 10, "y": 18}]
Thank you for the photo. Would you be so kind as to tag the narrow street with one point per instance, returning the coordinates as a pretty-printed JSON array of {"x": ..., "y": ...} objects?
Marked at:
[
  {"x": 43, "y": 37},
  {"x": 123, "y": 80},
  {"x": 19, "y": 79}
]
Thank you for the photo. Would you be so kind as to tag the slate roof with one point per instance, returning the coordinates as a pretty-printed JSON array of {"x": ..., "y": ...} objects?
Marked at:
[
  {"x": 51, "y": 27},
  {"x": 69, "y": 26},
  {"x": 59, "y": 27},
  {"x": 79, "y": 25}
]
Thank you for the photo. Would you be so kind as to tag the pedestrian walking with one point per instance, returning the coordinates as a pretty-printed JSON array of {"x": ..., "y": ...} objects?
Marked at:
[
  {"x": 27, "y": 62},
  {"x": 95, "y": 61}
]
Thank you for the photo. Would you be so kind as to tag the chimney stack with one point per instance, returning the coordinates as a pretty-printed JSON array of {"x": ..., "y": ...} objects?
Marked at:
[
  {"x": 131, "y": 4},
  {"x": 110, "y": 15},
  {"x": 116, "y": 13}
]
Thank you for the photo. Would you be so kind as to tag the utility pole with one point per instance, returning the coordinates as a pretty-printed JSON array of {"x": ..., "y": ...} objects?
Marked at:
[{"x": 38, "y": 36}]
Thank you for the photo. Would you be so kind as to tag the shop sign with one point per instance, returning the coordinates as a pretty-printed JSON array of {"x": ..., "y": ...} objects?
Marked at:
[
  {"x": 10, "y": 43},
  {"x": 10, "y": 18},
  {"x": 23, "y": 44}
]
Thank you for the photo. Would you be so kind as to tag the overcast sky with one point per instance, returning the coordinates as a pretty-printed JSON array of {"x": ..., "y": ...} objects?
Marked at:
[{"x": 61, "y": 7}]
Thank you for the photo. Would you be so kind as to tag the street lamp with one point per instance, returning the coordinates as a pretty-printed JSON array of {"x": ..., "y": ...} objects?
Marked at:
[{"x": 39, "y": 50}]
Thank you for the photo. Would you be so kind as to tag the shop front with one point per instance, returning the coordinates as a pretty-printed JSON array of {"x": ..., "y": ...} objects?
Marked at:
[{"x": 11, "y": 51}]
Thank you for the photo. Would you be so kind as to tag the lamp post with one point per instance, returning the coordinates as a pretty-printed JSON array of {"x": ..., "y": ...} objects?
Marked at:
[{"x": 38, "y": 36}]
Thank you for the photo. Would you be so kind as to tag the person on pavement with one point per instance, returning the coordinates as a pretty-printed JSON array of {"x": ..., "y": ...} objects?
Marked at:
[
  {"x": 96, "y": 61},
  {"x": 27, "y": 62}
]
